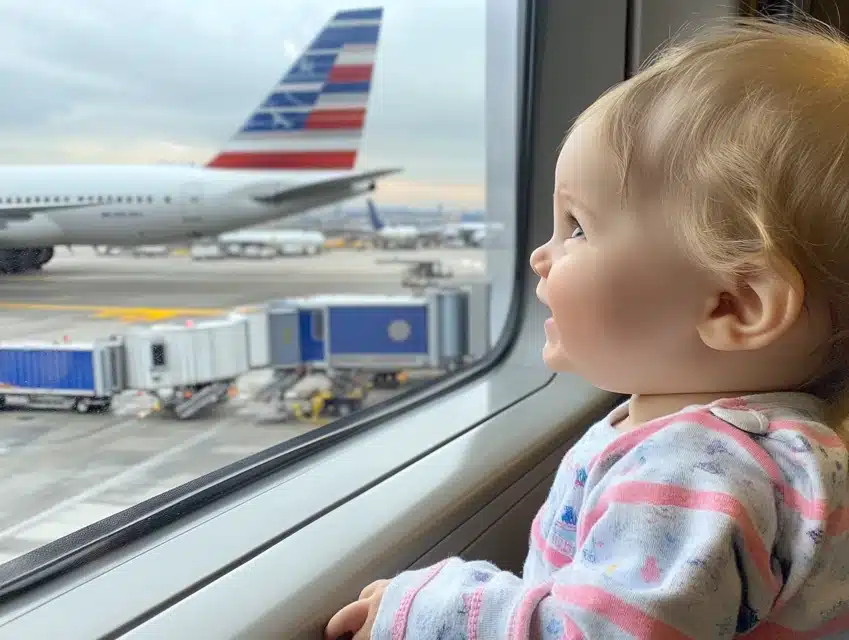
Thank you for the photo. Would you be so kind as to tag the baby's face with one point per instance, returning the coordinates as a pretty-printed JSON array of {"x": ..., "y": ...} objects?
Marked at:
[{"x": 624, "y": 298}]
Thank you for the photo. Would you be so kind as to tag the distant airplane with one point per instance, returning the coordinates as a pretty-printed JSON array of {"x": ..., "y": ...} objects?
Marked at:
[
  {"x": 470, "y": 231},
  {"x": 392, "y": 236},
  {"x": 297, "y": 151}
]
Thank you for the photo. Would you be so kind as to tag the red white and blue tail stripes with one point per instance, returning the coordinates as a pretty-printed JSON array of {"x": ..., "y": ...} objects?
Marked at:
[{"x": 314, "y": 118}]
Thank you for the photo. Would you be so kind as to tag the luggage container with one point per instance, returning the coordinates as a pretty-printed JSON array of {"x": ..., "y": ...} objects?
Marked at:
[
  {"x": 79, "y": 376},
  {"x": 190, "y": 365}
]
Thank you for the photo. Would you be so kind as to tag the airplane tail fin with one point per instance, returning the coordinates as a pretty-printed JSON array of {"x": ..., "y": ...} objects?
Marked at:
[
  {"x": 314, "y": 118},
  {"x": 374, "y": 218}
]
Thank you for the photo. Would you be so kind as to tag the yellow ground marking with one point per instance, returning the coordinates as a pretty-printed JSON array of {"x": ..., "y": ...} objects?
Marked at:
[{"x": 122, "y": 314}]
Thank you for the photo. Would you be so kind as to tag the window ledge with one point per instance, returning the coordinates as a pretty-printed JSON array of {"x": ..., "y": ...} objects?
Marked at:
[
  {"x": 289, "y": 504},
  {"x": 291, "y": 589}
]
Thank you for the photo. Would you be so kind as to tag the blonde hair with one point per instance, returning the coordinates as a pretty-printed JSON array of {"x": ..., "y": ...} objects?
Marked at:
[{"x": 745, "y": 126}]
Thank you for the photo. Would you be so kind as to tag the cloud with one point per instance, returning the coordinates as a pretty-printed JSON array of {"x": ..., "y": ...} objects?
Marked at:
[{"x": 171, "y": 80}]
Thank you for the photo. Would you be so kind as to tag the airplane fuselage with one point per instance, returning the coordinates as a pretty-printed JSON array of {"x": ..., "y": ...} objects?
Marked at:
[
  {"x": 296, "y": 151},
  {"x": 126, "y": 205}
]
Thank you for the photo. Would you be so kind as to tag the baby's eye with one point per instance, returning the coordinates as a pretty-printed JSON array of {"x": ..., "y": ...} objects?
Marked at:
[{"x": 573, "y": 223}]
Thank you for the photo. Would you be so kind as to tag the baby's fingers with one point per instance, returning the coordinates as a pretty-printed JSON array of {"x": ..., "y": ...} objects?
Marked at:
[{"x": 347, "y": 620}]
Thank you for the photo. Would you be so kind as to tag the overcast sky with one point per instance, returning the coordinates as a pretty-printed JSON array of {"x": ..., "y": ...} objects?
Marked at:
[{"x": 151, "y": 81}]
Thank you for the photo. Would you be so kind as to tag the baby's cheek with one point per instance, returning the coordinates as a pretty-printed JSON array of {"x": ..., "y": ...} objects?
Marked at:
[
  {"x": 590, "y": 298},
  {"x": 637, "y": 298},
  {"x": 586, "y": 313},
  {"x": 627, "y": 302},
  {"x": 607, "y": 314}
]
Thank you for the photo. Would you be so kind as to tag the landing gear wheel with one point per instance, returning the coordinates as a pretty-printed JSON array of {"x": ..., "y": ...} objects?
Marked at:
[
  {"x": 30, "y": 259},
  {"x": 22, "y": 260},
  {"x": 13, "y": 262},
  {"x": 42, "y": 257}
]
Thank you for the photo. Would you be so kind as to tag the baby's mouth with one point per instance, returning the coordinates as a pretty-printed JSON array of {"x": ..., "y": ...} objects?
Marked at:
[{"x": 550, "y": 329}]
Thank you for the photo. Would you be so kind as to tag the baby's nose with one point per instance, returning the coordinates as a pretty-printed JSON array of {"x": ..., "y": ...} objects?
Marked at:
[{"x": 540, "y": 261}]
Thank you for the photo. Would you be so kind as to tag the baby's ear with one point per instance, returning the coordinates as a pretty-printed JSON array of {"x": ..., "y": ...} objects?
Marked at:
[{"x": 754, "y": 311}]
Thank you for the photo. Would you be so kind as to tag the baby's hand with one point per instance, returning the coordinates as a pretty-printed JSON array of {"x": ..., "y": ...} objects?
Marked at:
[{"x": 357, "y": 618}]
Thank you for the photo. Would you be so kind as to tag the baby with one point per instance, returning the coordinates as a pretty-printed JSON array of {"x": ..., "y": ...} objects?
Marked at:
[{"x": 699, "y": 264}]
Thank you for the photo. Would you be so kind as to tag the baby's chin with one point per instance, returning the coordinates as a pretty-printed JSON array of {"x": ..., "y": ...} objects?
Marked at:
[{"x": 555, "y": 359}]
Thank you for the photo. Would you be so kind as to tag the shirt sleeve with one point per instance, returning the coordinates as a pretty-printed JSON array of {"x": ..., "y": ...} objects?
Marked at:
[{"x": 673, "y": 541}]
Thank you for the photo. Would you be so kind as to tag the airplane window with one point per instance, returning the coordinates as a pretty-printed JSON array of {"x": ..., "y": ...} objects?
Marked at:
[{"x": 349, "y": 294}]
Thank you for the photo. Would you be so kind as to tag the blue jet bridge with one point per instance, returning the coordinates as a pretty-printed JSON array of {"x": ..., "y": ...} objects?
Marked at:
[{"x": 370, "y": 332}]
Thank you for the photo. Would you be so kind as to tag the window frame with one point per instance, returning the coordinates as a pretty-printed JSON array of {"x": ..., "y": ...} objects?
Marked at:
[{"x": 82, "y": 547}]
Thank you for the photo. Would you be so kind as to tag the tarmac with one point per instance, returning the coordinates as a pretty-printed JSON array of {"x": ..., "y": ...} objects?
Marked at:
[{"x": 62, "y": 471}]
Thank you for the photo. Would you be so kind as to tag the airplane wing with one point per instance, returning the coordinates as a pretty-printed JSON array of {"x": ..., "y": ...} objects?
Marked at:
[{"x": 332, "y": 188}]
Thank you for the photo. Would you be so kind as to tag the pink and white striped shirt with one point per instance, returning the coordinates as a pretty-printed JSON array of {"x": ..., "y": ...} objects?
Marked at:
[{"x": 723, "y": 520}]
